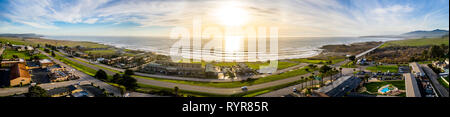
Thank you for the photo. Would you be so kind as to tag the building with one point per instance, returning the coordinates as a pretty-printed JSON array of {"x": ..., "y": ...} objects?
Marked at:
[
  {"x": 44, "y": 63},
  {"x": 212, "y": 71},
  {"x": 417, "y": 70},
  {"x": 70, "y": 91},
  {"x": 64, "y": 91},
  {"x": 58, "y": 74},
  {"x": 412, "y": 88},
  {"x": 19, "y": 47},
  {"x": 339, "y": 87},
  {"x": 167, "y": 67},
  {"x": 8, "y": 64},
  {"x": 19, "y": 75}
]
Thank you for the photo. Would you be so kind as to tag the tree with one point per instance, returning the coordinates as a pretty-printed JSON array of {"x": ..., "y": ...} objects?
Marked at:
[
  {"x": 436, "y": 51},
  {"x": 129, "y": 82},
  {"x": 36, "y": 91},
  {"x": 175, "y": 89},
  {"x": 129, "y": 72},
  {"x": 101, "y": 75},
  {"x": 312, "y": 77},
  {"x": 53, "y": 53},
  {"x": 116, "y": 78},
  {"x": 36, "y": 58},
  {"x": 352, "y": 58},
  {"x": 312, "y": 66},
  {"x": 1, "y": 59},
  {"x": 324, "y": 70}
]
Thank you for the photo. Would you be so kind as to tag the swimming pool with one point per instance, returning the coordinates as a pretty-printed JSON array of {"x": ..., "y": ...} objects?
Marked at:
[{"x": 384, "y": 90}]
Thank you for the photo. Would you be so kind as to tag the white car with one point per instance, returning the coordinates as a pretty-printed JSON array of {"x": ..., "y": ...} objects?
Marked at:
[{"x": 244, "y": 88}]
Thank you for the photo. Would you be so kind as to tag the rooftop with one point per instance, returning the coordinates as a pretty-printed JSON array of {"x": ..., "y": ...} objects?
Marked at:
[
  {"x": 19, "y": 70},
  {"x": 340, "y": 86}
]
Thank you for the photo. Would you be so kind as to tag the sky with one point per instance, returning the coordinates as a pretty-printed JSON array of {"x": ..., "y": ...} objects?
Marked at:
[{"x": 305, "y": 18}]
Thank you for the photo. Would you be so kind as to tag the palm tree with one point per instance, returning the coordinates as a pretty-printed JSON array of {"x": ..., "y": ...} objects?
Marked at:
[
  {"x": 302, "y": 78},
  {"x": 354, "y": 70},
  {"x": 176, "y": 90},
  {"x": 312, "y": 79}
]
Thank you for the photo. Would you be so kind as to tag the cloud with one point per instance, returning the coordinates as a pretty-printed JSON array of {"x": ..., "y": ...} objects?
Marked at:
[
  {"x": 393, "y": 9},
  {"x": 294, "y": 17},
  {"x": 37, "y": 25},
  {"x": 91, "y": 21}
]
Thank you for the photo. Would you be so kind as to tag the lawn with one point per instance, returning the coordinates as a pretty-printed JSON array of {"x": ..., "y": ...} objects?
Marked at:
[
  {"x": 162, "y": 90},
  {"x": 8, "y": 54},
  {"x": 443, "y": 82},
  {"x": 383, "y": 68},
  {"x": 281, "y": 64},
  {"x": 349, "y": 64},
  {"x": 317, "y": 61},
  {"x": 374, "y": 86},
  {"x": 417, "y": 42},
  {"x": 33, "y": 41},
  {"x": 101, "y": 52},
  {"x": 14, "y": 41},
  {"x": 76, "y": 65}
]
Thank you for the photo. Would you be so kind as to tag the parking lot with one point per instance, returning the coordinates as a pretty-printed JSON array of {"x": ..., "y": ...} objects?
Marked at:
[{"x": 40, "y": 76}]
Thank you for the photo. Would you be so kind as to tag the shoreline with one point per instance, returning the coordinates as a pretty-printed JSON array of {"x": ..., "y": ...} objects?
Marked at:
[{"x": 320, "y": 53}]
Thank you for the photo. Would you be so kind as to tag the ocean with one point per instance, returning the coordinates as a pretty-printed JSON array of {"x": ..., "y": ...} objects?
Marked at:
[{"x": 288, "y": 47}]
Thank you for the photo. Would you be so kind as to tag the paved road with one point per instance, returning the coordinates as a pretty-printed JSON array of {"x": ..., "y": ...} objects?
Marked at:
[
  {"x": 434, "y": 80},
  {"x": 368, "y": 51},
  {"x": 345, "y": 71},
  {"x": 300, "y": 65},
  {"x": 213, "y": 90},
  {"x": 289, "y": 90}
]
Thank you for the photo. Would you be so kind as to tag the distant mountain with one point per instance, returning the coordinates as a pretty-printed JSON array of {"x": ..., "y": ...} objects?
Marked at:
[
  {"x": 434, "y": 33},
  {"x": 415, "y": 34},
  {"x": 26, "y": 35}
]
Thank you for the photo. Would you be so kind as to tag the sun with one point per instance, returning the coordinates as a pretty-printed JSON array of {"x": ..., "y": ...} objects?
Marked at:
[{"x": 231, "y": 14}]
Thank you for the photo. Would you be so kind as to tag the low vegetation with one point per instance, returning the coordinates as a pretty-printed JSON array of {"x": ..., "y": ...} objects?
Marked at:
[
  {"x": 416, "y": 42},
  {"x": 374, "y": 86},
  {"x": 11, "y": 53},
  {"x": 411, "y": 50},
  {"x": 350, "y": 64},
  {"x": 383, "y": 68},
  {"x": 318, "y": 61},
  {"x": 281, "y": 64}
]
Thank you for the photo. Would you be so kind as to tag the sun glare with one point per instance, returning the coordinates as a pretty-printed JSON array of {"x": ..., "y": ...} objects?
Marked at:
[
  {"x": 231, "y": 15},
  {"x": 233, "y": 43}
]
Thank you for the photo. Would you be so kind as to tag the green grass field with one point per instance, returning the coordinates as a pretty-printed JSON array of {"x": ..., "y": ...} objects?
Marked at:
[
  {"x": 34, "y": 42},
  {"x": 374, "y": 86},
  {"x": 101, "y": 52},
  {"x": 8, "y": 54},
  {"x": 76, "y": 65},
  {"x": 149, "y": 88},
  {"x": 317, "y": 61},
  {"x": 443, "y": 82},
  {"x": 281, "y": 64},
  {"x": 383, "y": 68},
  {"x": 417, "y": 42},
  {"x": 14, "y": 41},
  {"x": 349, "y": 64}
]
